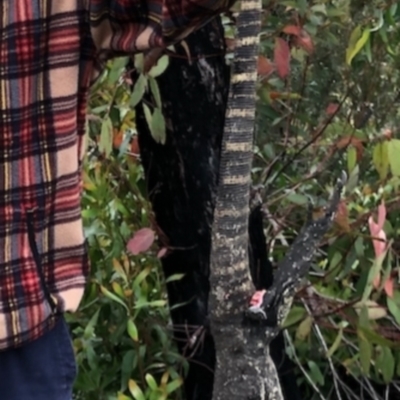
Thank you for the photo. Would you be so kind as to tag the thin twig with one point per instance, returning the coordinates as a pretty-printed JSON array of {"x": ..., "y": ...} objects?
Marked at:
[
  {"x": 305, "y": 373},
  {"x": 325, "y": 347},
  {"x": 313, "y": 139}
]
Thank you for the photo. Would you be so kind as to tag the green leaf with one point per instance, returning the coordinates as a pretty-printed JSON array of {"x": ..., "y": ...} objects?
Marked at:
[
  {"x": 356, "y": 43},
  {"x": 365, "y": 354},
  {"x": 158, "y": 129},
  {"x": 368, "y": 51},
  {"x": 91, "y": 356},
  {"x": 379, "y": 24},
  {"x": 373, "y": 272},
  {"x": 373, "y": 337},
  {"x": 394, "y": 156},
  {"x": 132, "y": 330},
  {"x": 118, "y": 289},
  {"x": 359, "y": 246},
  {"x": 117, "y": 68},
  {"x": 141, "y": 276},
  {"x": 319, "y": 8},
  {"x": 385, "y": 39},
  {"x": 174, "y": 277},
  {"x": 119, "y": 269},
  {"x": 151, "y": 382},
  {"x": 363, "y": 319},
  {"x": 113, "y": 297},
  {"x": 333, "y": 268},
  {"x": 174, "y": 385},
  {"x": 121, "y": 396},
  {"x": 295, "y": 315},
  {"x": 304, "y": 329},
  {"x": 351, "y": 158},
  {"x": 354, "y": 37},
  {"x": 156, "y": 124},
  {"x": 302, "y": 6},
  {"x": 147, "y": 114},
  {"x": 385, "y": 363},
  {"x": 106, "y": 139},
  {"x": 297, "y": 198},
  {"x": 380, "y": 158},
  {"x": 138, "y": 90},
  {"x": 156, "y": 395},
  {"x": 127, "y": 367},
  {"x": 336, "y": 343},
  {"x": 155, "y": 91},
  {"x": 139, "y": 62},
  {"x": 135, "y": 390},
  {"x": 316, "y": 373},
  {"x": 157, "y": 303},
  {"x": 352, "y": 182},
  {"x": 388, "y": 365},
  {"x": 89, "y": 329},
  {"x": 160, "y": 67}
]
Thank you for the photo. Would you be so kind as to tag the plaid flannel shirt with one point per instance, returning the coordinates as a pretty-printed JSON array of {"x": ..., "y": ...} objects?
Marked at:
[{"x": 48, "y": 51}]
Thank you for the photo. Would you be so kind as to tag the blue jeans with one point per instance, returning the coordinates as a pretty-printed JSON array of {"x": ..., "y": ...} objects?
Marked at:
[{"x": 44, "y": 369}]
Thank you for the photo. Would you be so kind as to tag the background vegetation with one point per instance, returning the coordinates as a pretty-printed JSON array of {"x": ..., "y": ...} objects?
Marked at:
[{"x": 328, "y": 100}]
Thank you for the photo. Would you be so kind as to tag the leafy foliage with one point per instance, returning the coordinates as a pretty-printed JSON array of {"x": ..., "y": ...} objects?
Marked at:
[
  {"x": 122, "y": 336},
  {"x": 325, "y": 107},
  {"x": 328, "y": 73}
]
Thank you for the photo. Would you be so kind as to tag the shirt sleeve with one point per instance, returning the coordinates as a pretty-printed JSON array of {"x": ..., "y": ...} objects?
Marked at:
[{"x": 121, "y": 27}]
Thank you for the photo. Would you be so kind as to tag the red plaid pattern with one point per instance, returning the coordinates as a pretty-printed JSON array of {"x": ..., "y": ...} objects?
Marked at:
[{"x": 48, "y": 51}]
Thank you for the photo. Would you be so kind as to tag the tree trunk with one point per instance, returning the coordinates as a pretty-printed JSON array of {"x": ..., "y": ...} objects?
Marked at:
[
  {"x": 182, "y": 178},
  {"x": 244, "y": 368}
]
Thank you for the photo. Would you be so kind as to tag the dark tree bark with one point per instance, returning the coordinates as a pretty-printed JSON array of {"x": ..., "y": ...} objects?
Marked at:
[
  {"x": 261, "y": 270},
  {"x": 182, "y": 181},
  {"x": 182, "y": 178},
  {"x": 244, "y": 368}
]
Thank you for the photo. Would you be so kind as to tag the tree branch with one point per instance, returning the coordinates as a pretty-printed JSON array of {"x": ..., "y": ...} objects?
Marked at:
[{"x": 271, "y": 307}]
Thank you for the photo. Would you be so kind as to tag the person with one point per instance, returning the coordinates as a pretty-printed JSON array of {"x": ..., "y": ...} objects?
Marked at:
[{"x": 50, "y": 53}]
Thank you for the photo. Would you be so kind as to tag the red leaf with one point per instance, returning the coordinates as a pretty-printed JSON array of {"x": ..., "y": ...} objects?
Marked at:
[
  {"x": 118, "y": 137},
  {"x": 381, "y": 214},
  {"x": 135, "y": 150},
  {"x": 389, "y": 286},
  {"x": 264, "y": 66},
  {"x": 342, "y": 216},
  {"x": 332, "y": 108},
  {"x": 257, "y": 297},
  {"x": 162, "y": 252},
  {"x": 135, "y": 146},
  {"x": 282, "y": 57},
  {"x": 377, "y": 281},
  {"x": 304, "y": 41},
  {"x": 141, "y": 241},
  {"x": 292, "y": 30},
  {"x": 347, "y": 141},
  {"x": 377, "y": 232}
]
